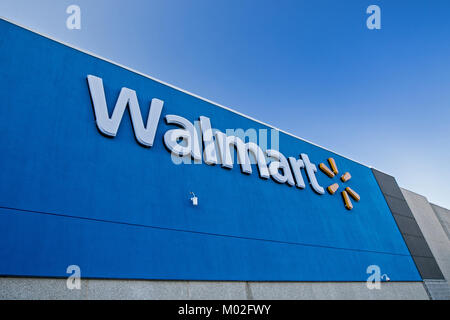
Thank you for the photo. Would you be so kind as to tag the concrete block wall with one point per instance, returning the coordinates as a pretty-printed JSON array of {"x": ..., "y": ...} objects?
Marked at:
[
  {"x": 438, "y": 289},
  {"x": 433, "y": 222},
  {"x": 46, "y": 288},
  {"x": 443, "y": 216},
  {"x": 431, "y": 228}
]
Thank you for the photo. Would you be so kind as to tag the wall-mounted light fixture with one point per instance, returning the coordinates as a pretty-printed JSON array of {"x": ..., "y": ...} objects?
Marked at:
[
  {"x": 194, "y": 199},
  {"x": 385, "y": 276}
]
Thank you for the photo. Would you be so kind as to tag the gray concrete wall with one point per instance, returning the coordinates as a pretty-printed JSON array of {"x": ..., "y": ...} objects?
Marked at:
[
  {"x": 431, "y": 228},
  {"x": 436, "y": 289},
  {"x": 44, "y": 288},
  {"x": 444, "y": 217},
  {"x": 434, "y": 222}
]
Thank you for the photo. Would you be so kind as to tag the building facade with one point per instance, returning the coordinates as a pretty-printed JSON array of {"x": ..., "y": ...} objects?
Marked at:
[{"x": 143, "y": 190}]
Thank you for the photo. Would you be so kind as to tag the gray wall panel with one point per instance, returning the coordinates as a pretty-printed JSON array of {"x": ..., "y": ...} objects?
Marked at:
[
  {"x": 418, "y": 246},
  {"x": 398, "y": 206},
  {"x": 388, "y": 184},
  {"x": 408, "y": 226},
  {"x": 429, "y": 269}
]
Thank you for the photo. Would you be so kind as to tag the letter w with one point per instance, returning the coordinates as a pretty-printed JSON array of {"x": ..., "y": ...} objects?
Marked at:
[{"x": 127, "y": 97}]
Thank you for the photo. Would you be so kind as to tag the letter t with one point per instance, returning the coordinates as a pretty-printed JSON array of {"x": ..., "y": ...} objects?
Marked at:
[{"x": 311, "y": 170}]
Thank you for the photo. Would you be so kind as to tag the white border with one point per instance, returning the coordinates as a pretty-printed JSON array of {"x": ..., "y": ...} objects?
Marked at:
[{"x": 176, "y": 88}]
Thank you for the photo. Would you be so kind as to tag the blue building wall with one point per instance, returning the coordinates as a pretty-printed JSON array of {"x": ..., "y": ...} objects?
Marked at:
[{"x": 69, "y": 195}]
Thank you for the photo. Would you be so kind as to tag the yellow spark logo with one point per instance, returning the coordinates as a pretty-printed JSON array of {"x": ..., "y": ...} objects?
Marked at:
[{"x": 347, "y": 192}]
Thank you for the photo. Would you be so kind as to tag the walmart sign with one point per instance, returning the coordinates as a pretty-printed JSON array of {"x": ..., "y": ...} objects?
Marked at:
[{"x": 281, "y": 169}]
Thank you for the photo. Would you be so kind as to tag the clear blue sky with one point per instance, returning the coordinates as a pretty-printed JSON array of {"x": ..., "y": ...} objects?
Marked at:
[{"x": 312, "y": 68}]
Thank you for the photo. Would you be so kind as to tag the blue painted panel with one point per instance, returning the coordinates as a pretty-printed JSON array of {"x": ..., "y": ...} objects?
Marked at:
[
  {"x": 90, "y": 190},
  {"x": 111, "y": 250}
]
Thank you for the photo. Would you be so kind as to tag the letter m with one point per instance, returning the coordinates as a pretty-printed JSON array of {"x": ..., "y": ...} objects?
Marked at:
[{"x": 127, "y": 97}]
